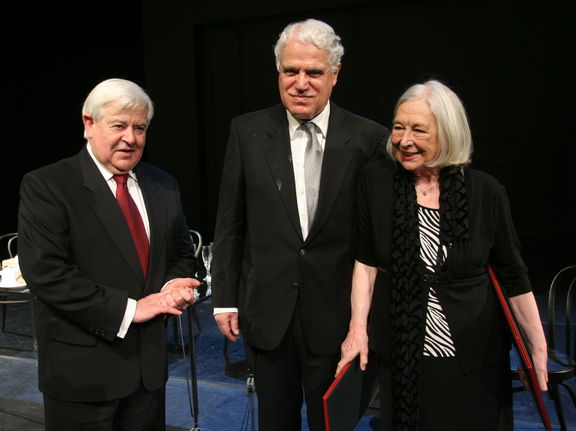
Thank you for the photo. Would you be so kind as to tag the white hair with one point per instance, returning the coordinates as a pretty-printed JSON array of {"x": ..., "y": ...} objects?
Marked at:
[
  {"x": 312, "y": 31},
  {"x": 454, "y": 137},
  {"x": 126, "y": 94}
]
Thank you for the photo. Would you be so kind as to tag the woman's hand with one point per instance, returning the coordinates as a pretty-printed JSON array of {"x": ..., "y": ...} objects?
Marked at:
[
  {"x": 540, "y": 360},
  {"x": 356, "y": 343},
  {"x": 526, "y": 313}
]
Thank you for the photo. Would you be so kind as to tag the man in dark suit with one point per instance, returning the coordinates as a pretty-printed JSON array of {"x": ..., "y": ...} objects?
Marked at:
[
  {"x": 104, "y": 246},
  {"x": 283, "y": 255}
]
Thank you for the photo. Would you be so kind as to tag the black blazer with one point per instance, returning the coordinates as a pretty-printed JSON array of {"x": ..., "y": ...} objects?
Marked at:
[
  {"x": 262, "y": 264},
  {"x": 78, "y": 258},
  {"x": 467, "y": 297}
]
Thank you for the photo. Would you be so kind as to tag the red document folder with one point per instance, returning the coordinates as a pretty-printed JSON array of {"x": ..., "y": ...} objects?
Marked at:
[
  {"x": 518, "y": 341},
  {"x": 348, "y": 397}
]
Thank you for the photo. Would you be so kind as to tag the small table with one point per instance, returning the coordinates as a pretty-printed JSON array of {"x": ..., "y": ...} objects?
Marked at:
[{"x": 8, "y": 291}]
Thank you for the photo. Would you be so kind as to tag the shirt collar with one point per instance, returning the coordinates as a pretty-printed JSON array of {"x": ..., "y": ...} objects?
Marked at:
[
  {"x": 321, "y": 121},
  {"x": 103, "y": 169}
]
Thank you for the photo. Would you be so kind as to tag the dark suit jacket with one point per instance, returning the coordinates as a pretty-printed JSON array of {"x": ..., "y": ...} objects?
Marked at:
[
  {"x": 262, "y": 265},
  {"x": 467, "y": 297},
  {"x": 78, "y": 258}
]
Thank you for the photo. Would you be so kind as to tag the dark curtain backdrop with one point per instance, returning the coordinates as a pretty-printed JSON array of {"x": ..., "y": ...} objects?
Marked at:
[
  {"x": 202, "y": 65},
  {"x": 53, "y": 54}
]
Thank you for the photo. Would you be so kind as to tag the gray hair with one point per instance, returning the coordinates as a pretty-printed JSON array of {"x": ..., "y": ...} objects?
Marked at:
[
  {"x": 312, "y": 31},
  {"x": 454, "y": 137},
  {"x": 126, "y": 94}
]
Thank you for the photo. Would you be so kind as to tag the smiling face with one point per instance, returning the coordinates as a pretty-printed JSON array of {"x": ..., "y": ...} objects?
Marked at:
[
  {"x": 305, "y": 79},
  {"x": 414, "y": 135},
  {"x": 118, "y": 138}
]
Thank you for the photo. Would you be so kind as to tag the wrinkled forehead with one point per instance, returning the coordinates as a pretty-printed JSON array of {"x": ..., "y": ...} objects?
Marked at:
[
  {"x": 126, "y": 112},
  {"x": 125, "y": 108}
]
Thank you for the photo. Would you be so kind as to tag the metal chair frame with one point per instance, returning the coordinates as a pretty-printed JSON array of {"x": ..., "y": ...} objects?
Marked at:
[
  {"x": 196, "y": 238},
  {"x": 562, "y": 350},
  {"x": 4, "y": 298},
  {"x": 6, "y": 295}
]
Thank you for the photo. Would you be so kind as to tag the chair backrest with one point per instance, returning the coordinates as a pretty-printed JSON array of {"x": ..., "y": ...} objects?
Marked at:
[
  {"x": 10, "y": 239},
  {"x": 196, "y": 238},
  {"x": 12, "y": 250},
  {"x": 561, "y": 302}
]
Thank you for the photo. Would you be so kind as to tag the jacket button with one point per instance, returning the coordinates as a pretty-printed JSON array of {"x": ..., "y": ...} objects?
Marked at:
[
  {"x": 295, "y": 286},
  {"x": 302, "y": 252}
]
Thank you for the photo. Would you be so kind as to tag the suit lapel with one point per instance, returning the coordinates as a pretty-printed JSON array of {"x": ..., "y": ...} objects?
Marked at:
[
  {"x": 279, "y": 157},
  {"x": 335, "y": 165},
  {"x": 106, "y": 208}
]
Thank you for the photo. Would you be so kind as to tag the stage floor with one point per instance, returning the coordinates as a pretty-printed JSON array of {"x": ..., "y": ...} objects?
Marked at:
[{"x": 224, "y": 401}]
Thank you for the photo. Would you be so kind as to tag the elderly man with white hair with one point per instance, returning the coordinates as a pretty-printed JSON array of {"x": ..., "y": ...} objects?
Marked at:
[{"x": 283, "y": 258}]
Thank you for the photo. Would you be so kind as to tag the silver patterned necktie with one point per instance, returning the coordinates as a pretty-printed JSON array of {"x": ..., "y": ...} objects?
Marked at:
[{"x": 312, "y": 169}]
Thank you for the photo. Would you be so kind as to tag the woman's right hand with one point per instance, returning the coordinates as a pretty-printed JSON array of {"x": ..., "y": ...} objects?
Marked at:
[{"x": 356, "y": 343}]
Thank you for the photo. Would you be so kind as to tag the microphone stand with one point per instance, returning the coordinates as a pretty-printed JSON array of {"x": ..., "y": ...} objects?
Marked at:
[
  {"x": 193, "y": 374},
  {"x": 192, "y": 392}
]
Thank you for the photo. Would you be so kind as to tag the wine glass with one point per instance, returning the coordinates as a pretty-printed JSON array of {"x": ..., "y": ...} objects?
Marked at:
[{"x": 207, "y": 259}]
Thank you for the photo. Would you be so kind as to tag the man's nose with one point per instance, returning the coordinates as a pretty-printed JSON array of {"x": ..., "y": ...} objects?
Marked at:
[
  {"x": 129, "y": 136},
  {"x": 302, "y": 81}
]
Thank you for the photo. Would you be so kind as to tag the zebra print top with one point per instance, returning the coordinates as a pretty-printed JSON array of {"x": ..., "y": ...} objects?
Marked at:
[{"x": 437, "y": 340}]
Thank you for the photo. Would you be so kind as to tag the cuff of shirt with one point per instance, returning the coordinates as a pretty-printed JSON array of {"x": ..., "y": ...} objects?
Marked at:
[
  {"x": 128, "y": 316},
  {"x": 166, "y": 284},
  {"x": 225, "y": 310}
]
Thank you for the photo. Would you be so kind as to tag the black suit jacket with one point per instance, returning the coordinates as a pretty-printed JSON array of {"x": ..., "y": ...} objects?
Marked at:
[
  {"x": 262, "y": 264},
  {"x": 464, "y": 290},
  {"x": 78, "y": 258}
]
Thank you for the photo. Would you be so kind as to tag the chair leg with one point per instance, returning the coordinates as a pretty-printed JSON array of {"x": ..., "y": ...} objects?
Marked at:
[
  {"x": 4, "y": 311},
  {"x": 195, "y": 318},
  {"x": 174, "y": 331},
  {"x": 555, "y": 395},
  {"x": 175, "y": 346},
  {"x": 33, "y": 325},
  {"x": 570, "y": 392}
]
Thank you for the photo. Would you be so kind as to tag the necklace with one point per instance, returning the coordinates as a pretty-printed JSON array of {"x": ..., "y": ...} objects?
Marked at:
[{"x": 426, "y": 191}]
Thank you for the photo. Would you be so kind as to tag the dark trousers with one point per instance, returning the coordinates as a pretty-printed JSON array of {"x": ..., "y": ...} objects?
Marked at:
[
  {"x": 451, "y": 400},
  {"x": 141, "y": 411},
  {"x": 288, "y": 375}
]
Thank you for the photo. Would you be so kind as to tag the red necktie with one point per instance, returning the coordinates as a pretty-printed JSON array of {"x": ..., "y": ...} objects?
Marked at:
[{"x": 134, "y": 220}]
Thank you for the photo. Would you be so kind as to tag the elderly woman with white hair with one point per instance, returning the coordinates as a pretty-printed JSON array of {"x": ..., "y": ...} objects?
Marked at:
[{"x": 428, "y": 228}]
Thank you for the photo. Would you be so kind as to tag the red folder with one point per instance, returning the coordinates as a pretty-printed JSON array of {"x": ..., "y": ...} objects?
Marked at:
[
  {"x": 349, "y": 395},
  {"x": 527, "y": 365}
]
